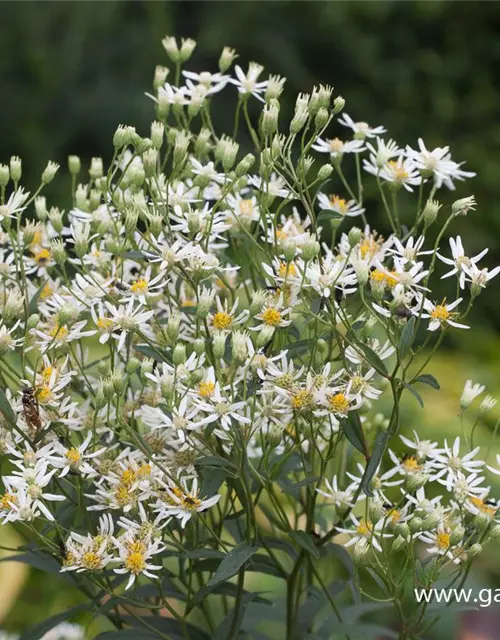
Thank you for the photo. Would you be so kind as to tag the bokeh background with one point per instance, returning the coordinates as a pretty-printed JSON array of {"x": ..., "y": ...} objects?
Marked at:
[{"x": 70, "y": 72}]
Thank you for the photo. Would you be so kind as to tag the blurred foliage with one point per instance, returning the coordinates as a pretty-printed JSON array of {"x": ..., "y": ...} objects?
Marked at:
[{"x": 71, "y": 72}]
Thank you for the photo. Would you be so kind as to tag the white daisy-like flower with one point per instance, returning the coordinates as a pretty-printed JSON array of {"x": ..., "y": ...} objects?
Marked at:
[
  {"x": 460, "y": 261},
  {"x": 441, "y": 315},
  {"x": 345, "y": 208},
  {"x": 361, "y": 130},
  {"x": 248, "y": 83},
  {"x": 336, "y": 147}
]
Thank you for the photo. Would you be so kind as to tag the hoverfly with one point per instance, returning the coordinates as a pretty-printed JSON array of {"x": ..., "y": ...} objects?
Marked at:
[{"x": 31, "y": 410}]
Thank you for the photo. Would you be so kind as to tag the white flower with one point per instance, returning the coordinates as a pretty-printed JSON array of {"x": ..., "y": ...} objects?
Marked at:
[
  {"x": 470, "y": 393},
  {"x": 14, "y": 204},
  {"x": 441, "y": 314},
  {"x": 184, "y": 501},
  {"x": 336, "y": 147},
  {"x": 361, "y": 130},
  {"x": 460, "y": 261},
  {"x": 248, "y": 83},
  {"x": 135, "y": 553},
  {"x": 332, "y": 202},
  {"x": 437, "y": 163}
]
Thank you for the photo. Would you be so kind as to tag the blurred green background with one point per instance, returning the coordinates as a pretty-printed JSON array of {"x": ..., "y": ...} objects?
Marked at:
[{"x": 70, "y": 72}]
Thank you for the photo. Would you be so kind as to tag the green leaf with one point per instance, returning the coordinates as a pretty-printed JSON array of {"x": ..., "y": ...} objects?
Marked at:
[
  {"x": 135, "y": 255},
  {"x": 415, "y": 394},
  {"x": 264, "y": 564},
  {"x": 127, "y": 634},
  {"x": 370, "y": 355},
  {"x": 351, "y": 426},
  {"x": 302, "y": 483},
  {"x": 328, "y": 214},
  {"x": 39, "y": 630},
  {"x": 306, "y": 542},
  {"x": 342, "y": 554},
  {"x": 33, "y": 303},
  {"x": 231, "y": 564},
  {"x": 371, "y": 468},
  {"x": 406, "y": 339},
  {"x": 6, "y": 410},
  {"x": 173, "y": 629},
  {"x": 149, "y": 352},
  {"x": 39, "y": 561},
  {"x": 427, "y": 378}
]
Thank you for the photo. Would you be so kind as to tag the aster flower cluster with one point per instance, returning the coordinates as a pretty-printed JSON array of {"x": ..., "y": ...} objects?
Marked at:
[{"x": 200, "y": 340}]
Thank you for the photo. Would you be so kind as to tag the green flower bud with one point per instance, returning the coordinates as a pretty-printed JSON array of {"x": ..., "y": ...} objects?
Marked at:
[
  {"x": 15, "y": 169},
  {"x": 4, "y": 175}
]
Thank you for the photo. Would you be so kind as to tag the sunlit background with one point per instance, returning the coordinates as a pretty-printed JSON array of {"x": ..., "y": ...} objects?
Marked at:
[{"x": 70, "y": 72}]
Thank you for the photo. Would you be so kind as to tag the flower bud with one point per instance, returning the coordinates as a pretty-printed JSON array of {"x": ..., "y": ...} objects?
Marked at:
[
  {"x": 187, "y": 47},
  {"x": 108, "y": 389},
  {"x": 360, "y": 550},
  {"x": 298, "y": 121},
  {"x": 463, "y": 206},
  {"x": 157, "y": 134},
  {"x": 481, "y": 522},
  {"x": 150, "y": 161},
  {"x": 270, "y": 115},
  {"x": 375, "y": 511},
  {"x": 33, "y": 321},
  {"x": 338, "y": 105},
  {"x": 49, "y": 172},
  {"x": 173, "y": 325},
  {"x": 199, "y": 346},
  {"x": 179, "y": 355},
  {"x": 146, "y": 366},
  {"x": 310, "y": 249},
  {"x": 170, "y": 45},
  {"x": 415, "y": 524},
  {"x": 354, "y": 236},
  {"x": 264, "y": 335},
  {"x": 118, "y": 382},
  {"x": 474, "y": 550},
  {"x": 430, "y": 212},
  {"x": 289, "y": 249},
  {"x": 399, "y": 544},
  {"x": 456, "y": 535},
  {"x": 58, "y": 252},
  {"x": 4, "y": 175},
  {"x": 402, "y": 530},
  {"x": 239, "y": 343},
  {"x": 160, "y": 76},
  {"x": 180, "y": 147},
  {"x": 96, "y": 169},
  {"x": 120, "y": 137},
  {"x": 321, "y": 118},
  {"x": 415, "y": 481},
  {"x": 15, "y": 169},
  {"x": 55, "y": 217},
  {"x": 325, "y": 172},
  {"x": 227, "y": 57},
  {"x": 257, "y": 302},
  {"x": 132, "y": 365},
  {"x": 495, "y": 532},
  {"x": 244, "y": 166},
  {"x": 219, "y": 344}
]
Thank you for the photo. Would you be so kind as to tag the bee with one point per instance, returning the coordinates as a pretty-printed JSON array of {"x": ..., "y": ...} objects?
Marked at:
[{"x": 31, "y": 409}]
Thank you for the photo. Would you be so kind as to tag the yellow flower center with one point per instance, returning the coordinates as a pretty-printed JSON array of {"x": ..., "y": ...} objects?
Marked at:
[
  {"x": 144, "y": 470},
  {"x": 8, "y": 500},
  {"x": 91, "y": 560},
  {"x": 190, "y": 502},
  {"x": 338, "y": 403},
  {"x": 411, "y": 464},
  {"x": 364, "y": 528},
  {"x": 122, "y": 495},
  {"x": 336, "y": 145},
  {"x": 73, "y": 456},
  {"x": 222, "y": 320},
  {"x": 398, "y": 171},
  {"x": 44, "y": 394},
  {"x": 69, "y": 559},
  {"x": 139, "y": 286},
  {"x": 128, "y": 477},
  {"x": 286, "y": 270},
  {"x": 339, "y": 203},
  {"x": 443, "y": 540},
  {"x": 42, "y": 256},
  {"x": 271, "y": 317},
  {"x": 246, "y": 207},
  {"x": 104, "y": 324},
  {"x": 440, "y": 313},
  {"x": 47, "y": 291},
  {"x": 369, "y": 247},
  {"x": 394, "y": 515},
  {"x": 136, "y": 546},
  {"x": 302, "y": 399},
  {"x": 206, "y": 389},
  {"x": 59, "y": 332}
]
